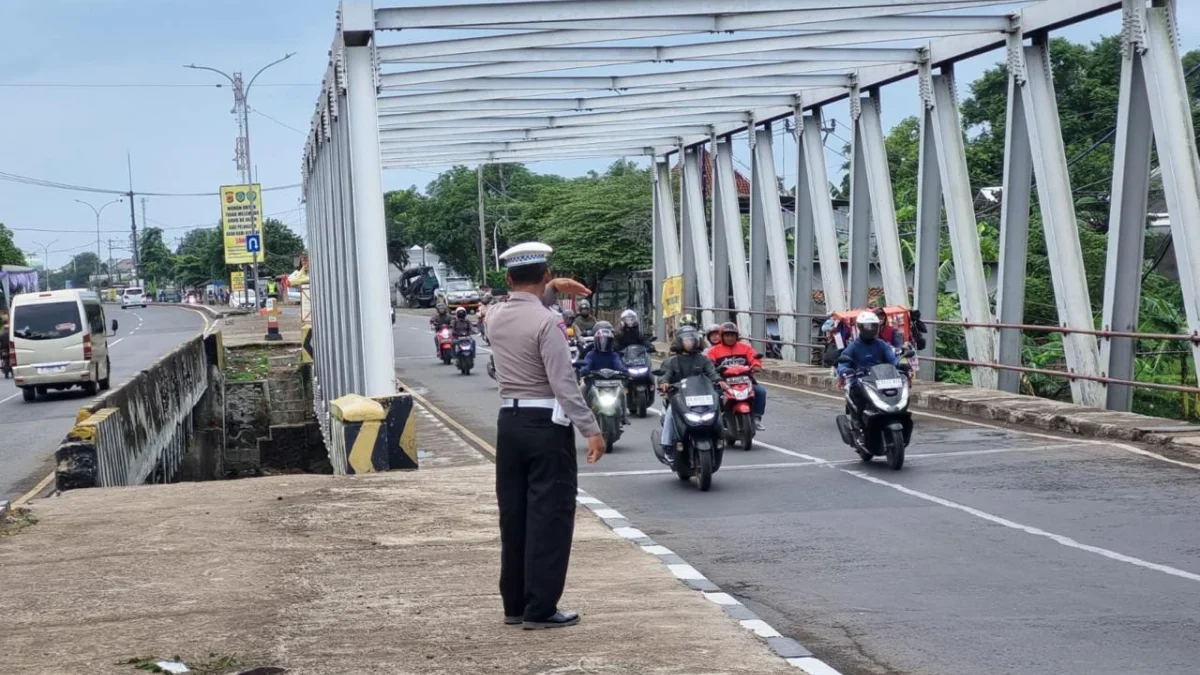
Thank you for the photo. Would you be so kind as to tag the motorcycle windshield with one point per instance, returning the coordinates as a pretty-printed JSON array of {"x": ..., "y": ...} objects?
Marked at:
[
  {"x": 634, "y": 353},
  {"x": 696, "y": 393},
  {"x": 884, "y": 371}
]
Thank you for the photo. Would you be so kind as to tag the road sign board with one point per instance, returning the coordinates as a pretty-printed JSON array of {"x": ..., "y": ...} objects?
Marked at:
[{"x": 253, "y": 243}]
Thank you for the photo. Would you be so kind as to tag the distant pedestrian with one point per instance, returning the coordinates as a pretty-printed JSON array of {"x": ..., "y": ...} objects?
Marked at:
[{"x": 536, "y": 470}]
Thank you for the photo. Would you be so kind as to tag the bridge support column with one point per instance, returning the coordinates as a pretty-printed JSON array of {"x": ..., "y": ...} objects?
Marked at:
[
  {"x": 951, "y": 157},
  {"x": 668, "y": 262},
  {"x": 814, "y": 217},
  {"x": 1030, "y": 69},
  {"x": 767, "y": 236},
  {"x": 929, "y": 225},
  {"x": 728, "y": 237},
  {"x": 872, "y": 207},
  {"x": 698, "y": 269}
]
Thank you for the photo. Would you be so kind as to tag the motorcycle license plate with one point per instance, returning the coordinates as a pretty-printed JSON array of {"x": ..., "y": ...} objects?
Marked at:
[
  {"x": 742, "y": 379},
  {"x": 895, "y": 383},
  {"x": 698, "y": 401}
]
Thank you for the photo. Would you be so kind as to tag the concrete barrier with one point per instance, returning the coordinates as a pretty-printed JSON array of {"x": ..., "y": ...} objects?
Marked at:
[
  {"x": 142, "y": 430},
  {"x": 369, "y": 435}
]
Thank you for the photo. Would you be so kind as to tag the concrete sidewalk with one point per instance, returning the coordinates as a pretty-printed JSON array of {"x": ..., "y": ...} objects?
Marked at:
[{"x": 386, "y": 573}]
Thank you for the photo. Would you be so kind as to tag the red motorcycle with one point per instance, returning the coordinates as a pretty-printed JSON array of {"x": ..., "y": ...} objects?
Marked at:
[
  {"x": 737, "y": 406},
  {"x": 445, "y": 341}
]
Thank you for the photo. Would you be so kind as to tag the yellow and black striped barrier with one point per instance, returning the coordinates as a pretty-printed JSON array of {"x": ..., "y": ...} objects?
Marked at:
[{"x": 373, "y": 434}]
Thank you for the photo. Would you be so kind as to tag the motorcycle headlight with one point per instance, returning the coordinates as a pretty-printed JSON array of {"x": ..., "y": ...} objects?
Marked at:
[
  {"x": 607, "y": 400},
  {"x": 699, "y": 418},
  {"x": 639, "y": 371}
]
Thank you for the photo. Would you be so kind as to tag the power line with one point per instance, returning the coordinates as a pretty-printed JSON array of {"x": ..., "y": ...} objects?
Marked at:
[
  {"x": 38, "y": 182},
  {"x": 256, "y": 111},
  {"x": 123, "y": 85}
]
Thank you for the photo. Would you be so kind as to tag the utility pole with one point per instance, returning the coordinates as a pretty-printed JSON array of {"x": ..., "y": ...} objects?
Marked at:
[
  {"x": 482, "y": 229},
  {"x": 132, "y": 217},
  {"x": 97, "y": 211}
]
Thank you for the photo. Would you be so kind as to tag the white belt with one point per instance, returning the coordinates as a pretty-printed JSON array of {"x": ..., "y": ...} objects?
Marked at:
[{"x": 547, "y": 403}]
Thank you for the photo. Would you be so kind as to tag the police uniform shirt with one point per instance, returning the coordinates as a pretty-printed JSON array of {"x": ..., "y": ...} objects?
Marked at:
[{"x": 532, "y": 359}]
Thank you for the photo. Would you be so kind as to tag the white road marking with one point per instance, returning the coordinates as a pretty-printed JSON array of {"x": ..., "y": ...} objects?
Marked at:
[
  {"x": 1033, "y": 434},
  {"x": 1057, "y": 538},
  {"x": 11, "y": 397}
]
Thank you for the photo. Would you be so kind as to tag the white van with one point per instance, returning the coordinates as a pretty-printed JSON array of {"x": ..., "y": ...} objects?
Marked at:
[{"x": 57, "y": 340}]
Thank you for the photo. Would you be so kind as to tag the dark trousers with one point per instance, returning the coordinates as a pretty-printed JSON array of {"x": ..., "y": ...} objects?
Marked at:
[{"x": 536, "y": 485}]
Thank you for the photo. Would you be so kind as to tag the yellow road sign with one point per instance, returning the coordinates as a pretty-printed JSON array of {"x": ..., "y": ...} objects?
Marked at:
[
  {"x": 672, "y": 296},
  {"x": 241, "y": 216},
  {"x": 237, "y": 281}
]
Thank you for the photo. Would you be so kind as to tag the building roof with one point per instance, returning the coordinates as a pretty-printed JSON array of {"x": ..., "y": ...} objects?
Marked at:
[{"x": 743, "y": 183}]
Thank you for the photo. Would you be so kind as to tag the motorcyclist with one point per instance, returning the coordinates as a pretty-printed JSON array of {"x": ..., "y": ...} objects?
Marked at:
[
  {"x": 631, "y": 332},
  {"x": 687, "y": 362},
  {"x": 461, "y": 326},
  {"x": 733, "y": 351},
  {"x": 484, "y": 301},
  {"x": 712, "y": 335},
  {"x": 863, "y": 353},
  {"x": 585, "y": 322},
  {"x": 689, "y": 321},
  {"x": 602, "y": 356},
  {"x": 888, "y": 333},
  {"x": 441, "y": 317},
  {"x": 4, "y": 345}
]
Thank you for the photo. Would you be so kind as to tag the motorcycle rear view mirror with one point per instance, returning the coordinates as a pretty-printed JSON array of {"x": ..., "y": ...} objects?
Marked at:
[
  {"x": 658, "y": 372},
  {"x": 844, "y": 359}
]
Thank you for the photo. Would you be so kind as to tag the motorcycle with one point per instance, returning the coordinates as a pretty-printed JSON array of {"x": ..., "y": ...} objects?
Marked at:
[
  {"x": 604, "y": 398},
  {"x": 464, "y": 354},
  {"x": 640, "y": 392},
  {"x": 445, "y": 341},
  {"x": 883, "y": 427},
  {"x": 699, "y": 449},
  {"x": 737, "y": 405}
]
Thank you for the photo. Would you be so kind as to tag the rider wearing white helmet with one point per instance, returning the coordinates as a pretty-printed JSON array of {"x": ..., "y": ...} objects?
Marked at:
[
  {"x": 864, "y": 351},
  {"x": 630, "y": 331}
]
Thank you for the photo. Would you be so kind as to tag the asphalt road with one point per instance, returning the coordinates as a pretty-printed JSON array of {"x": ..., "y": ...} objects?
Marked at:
[
  {"x": 30, "y": 432},
  {"x": 993, "y": 551}
]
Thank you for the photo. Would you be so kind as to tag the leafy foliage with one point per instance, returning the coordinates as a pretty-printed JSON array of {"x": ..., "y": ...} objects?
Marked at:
[{"x": 9, "y": 253}]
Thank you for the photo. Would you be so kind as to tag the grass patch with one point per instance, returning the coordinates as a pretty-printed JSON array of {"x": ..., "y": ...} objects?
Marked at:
[
  {"x": 247, "y": 364},
  {"x": 213, "y": 664},
  {"x": 15, "y": 521}
]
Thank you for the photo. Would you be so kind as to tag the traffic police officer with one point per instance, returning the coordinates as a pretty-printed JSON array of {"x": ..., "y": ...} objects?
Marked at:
[{"x": 536, "y": 471}]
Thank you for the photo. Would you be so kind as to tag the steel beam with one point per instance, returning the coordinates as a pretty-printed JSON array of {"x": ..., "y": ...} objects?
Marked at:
[
  {"x": 964, "y": 232},
  {"x": 641, "y": 118},
  {"x": 401, "y": 137},
  {"x": 1177, "y": 156},
  {"x": 1014, "y": 231},
  {"x": 402, "y": 104},
  {"x": 859, "y": 243},
  {"x": 1059, "y": 223},
  {"x": 537, "y": 13},
  {"x": 883, "y": 206},
  {"x": 1127, "y": 227},
  {"x": 657, "y": 319},
  {"x": 929, "y": 230},
  {"x": 812, "y": 151},
  {"x": 818, "y": 57},
  {"x": 758, "y": 246},
  {"x": 769, "y": 213},
  {"x": 727, "y": 225},
  {"x": 691, "y": 188},
  {"x": 803, "y": 233}
]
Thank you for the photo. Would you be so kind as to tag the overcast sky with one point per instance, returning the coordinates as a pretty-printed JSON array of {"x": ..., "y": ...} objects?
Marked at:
[{"x": 181, "y": 136}]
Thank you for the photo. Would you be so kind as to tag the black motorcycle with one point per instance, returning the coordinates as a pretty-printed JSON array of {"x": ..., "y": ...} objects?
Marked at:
[
  {"x": 883, "y": 427},
  {"x": 694, "y": 407},
  {"x": 464, "y": 354},
  {"x": 640, "y": 392},
  {"x": 604, "y": 398}
]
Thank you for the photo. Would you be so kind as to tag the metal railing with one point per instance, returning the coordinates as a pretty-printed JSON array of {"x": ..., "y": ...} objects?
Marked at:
[{"x": 1193, "y": 338}]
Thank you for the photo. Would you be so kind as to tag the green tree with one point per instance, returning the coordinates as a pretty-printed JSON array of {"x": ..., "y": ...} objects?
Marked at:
[
  {"x": 282, "y": 249},
  {"x": 157, "y": 262},
  {"x": 9, "y": 253},
  {"x": 200, "y": 257},
  {"x": 403, "y": 209},
  {"x": 81, "y": 269}
]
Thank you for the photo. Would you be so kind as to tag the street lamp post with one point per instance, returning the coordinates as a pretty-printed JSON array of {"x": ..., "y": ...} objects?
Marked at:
[
  {"x": 97, "y": 211},
  {"x": 241, "y": 95},
  {"x": 46, "y": 260}
]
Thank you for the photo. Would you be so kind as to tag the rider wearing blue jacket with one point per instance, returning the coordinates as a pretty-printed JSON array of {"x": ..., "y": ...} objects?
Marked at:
[
  {"x": 864, "y": 352},
  {"x": 603, "y": 357}
]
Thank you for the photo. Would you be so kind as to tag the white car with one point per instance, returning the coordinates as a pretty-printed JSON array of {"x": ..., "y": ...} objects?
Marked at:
[{"x": 133, "y": 297}]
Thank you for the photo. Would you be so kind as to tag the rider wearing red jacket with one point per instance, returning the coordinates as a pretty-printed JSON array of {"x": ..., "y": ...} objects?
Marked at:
[{"x": 732, "y": 351}]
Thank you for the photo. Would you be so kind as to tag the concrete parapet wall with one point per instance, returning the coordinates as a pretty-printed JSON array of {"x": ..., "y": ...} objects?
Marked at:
[
  {"x": 369, "y": 435},
  {"x": 141, "y": 430}
]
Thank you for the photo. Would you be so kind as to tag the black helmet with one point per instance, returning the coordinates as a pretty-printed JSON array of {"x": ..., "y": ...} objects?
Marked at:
[
  {"x": 604, "y": 337},
  {"x": 461, "y": 312},
  {"x": 441, "y": 307},
  {"x": 585, "y": 307},
  {"x": 687, "y": 341}
]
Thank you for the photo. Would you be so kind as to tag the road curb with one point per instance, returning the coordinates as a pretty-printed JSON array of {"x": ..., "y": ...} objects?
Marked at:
[
  {"x": 5, "y": 505},
  {"x": 786, "y": 648}
]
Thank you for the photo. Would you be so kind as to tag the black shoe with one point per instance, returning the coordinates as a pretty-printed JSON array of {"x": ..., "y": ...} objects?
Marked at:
[
  {"x": 513, "y": 620},
  {"x": 560, "y": 619}
]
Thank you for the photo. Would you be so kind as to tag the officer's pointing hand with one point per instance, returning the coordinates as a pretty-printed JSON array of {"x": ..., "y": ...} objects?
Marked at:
[
  {"x": 569, "y": 286},
  {"x": 596, "y": 448}
]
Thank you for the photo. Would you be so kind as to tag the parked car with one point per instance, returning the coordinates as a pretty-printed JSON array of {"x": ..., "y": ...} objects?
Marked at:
[
  {"x": 58, "y": 340},
  {"x": 134, "y": 296}
]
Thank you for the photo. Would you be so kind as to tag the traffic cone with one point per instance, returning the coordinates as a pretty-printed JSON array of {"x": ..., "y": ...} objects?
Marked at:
[{"x": 273, "y": 328}]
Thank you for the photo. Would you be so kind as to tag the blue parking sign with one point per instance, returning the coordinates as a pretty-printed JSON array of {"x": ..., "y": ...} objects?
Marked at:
[{"x": 253, "y": 243}]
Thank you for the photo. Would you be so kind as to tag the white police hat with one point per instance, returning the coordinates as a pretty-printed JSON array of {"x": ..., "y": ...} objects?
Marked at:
[{"x": 529, "y": 253}]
